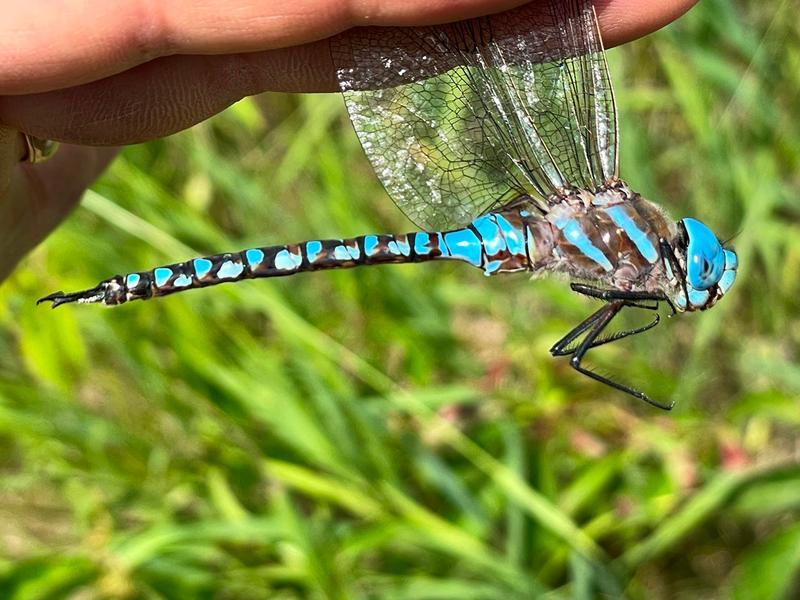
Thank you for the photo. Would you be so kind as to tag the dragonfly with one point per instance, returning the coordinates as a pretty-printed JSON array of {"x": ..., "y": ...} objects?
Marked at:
[{"x": 497, "y": 136}]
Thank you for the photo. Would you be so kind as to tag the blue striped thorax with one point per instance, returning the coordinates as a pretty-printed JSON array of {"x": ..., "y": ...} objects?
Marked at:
[{"x": 709, "y": 269}]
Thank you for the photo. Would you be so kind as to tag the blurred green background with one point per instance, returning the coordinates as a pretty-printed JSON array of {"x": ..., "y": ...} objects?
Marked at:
[{"x": 402, "y": 432}]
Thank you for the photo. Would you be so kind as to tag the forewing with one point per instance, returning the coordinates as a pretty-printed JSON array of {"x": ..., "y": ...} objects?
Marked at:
[{"x": 459, "y": 118}]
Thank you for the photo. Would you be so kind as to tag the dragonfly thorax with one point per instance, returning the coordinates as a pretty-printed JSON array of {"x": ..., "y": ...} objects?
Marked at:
[{"x": 609, "y": 236}]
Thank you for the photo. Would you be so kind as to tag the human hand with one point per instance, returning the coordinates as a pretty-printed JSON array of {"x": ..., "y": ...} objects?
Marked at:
[{"x": 120, "y": 72}]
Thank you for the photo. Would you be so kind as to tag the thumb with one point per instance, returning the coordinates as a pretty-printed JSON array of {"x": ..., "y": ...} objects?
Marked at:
[{"x": 35, "y": 198}]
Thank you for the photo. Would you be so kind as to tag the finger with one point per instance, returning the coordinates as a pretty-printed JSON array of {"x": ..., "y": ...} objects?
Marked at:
[
  {"x": 173, "y": 93},
  {"x": 164, "y": 95},
  {"x": 40, "y": 52},
  {"x": 76, "y": 41},
  {"x": 625, "y": 20},
  {"x": 39, "y": 196}
]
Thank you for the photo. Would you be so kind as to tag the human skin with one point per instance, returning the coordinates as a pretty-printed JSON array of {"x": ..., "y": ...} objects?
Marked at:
[{"x": 103, "y": 74}]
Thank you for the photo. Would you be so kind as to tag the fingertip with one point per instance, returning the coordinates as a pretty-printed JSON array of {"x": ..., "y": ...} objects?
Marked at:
[{"x": 622, "y": 21}]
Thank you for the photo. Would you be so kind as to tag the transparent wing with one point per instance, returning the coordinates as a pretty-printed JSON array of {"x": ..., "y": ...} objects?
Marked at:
[{"x": 461, "y": 117}]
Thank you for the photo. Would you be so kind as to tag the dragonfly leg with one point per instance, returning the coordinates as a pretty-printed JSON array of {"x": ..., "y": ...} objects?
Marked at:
[
  {"x": 562, "y": 346},
  {"x": 595, "y": 324},
  {"x": 671, "y": 264},
  {"x": 609, "y": 295}
]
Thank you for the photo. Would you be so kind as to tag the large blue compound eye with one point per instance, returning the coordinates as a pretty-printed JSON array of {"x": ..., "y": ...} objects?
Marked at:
[{"x": 705, "y": 257}]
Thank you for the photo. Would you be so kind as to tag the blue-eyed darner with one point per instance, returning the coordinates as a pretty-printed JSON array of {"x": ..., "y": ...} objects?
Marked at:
[{"x": 498, "y": 136}]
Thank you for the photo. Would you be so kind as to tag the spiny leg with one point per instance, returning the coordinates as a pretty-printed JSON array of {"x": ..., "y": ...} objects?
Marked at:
[
  {"x": 609, "y": 295},
  {"x": 672, "y": 265},
  {"x": 596, "y": 323},
  {"x": 611, "y": 310},
  {"x": 628, "y": 332},
  {"x": 561, "y": 347}
]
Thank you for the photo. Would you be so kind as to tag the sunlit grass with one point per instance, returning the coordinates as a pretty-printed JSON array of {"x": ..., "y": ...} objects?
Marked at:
[{"x": 402, "y": 432}]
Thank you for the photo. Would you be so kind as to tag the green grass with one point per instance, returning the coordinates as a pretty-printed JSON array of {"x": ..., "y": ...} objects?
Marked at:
[{"x": 401, "y": 432}]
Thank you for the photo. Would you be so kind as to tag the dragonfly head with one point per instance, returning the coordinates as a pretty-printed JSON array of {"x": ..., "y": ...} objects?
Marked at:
[{"x": 701, "y": 269}]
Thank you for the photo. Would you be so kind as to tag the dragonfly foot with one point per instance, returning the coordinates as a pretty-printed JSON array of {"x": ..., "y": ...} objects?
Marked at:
[{"x": 645, "y": 398}]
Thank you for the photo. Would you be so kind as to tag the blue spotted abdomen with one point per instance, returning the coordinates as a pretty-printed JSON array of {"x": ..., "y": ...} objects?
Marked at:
[
  {"x": 496, "y": 242},
  {"x": 268, "y": 261}
]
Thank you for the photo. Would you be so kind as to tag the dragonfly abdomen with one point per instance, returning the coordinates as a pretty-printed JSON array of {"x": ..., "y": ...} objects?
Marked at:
[
  {"x": 467, "y": 244},
  {"x": 267, "y": 261}
]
